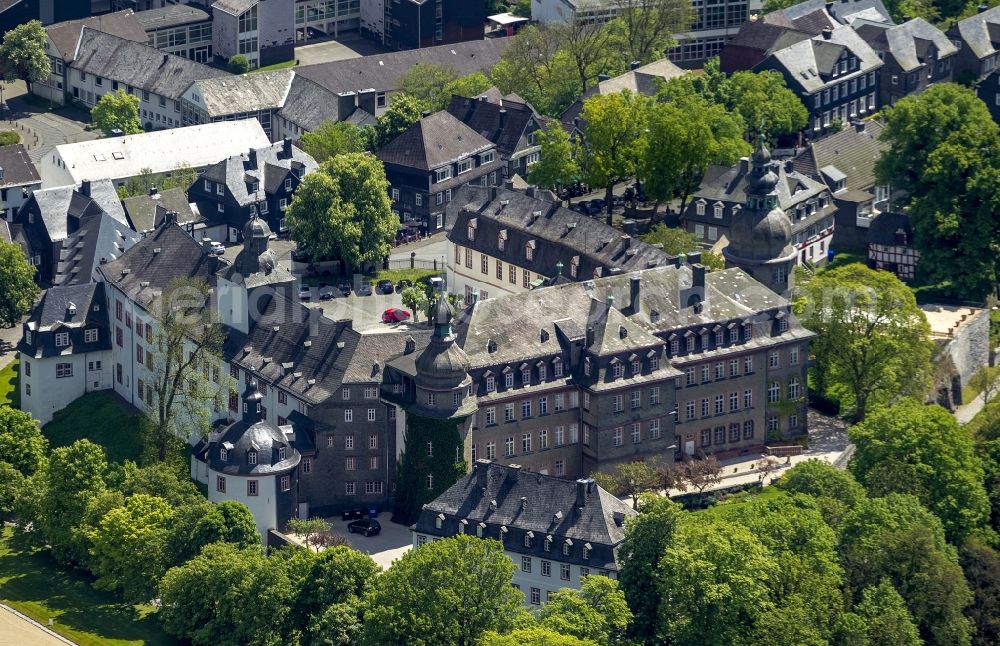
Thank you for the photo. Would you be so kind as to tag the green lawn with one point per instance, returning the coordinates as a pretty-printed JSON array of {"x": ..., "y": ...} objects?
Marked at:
[
  {"x": 10, "y": 393},
  {"x": 32, "y": 583},
  {"x": 102, "y": 418},
  {"x": 276, "y": 66}
]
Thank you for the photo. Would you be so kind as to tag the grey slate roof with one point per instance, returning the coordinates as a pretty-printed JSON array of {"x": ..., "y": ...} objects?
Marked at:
[
  {"x": 373, "y": 349},
  {"x": 885, "y": 225},
  {"x": 172, "y": 15},
  {"x": 55, "y": 204},
  {"x": 432, "y": 142},
  {"x": 66, "y": 35},
  {"x": 809, "y": 61},
  {"x": 981, "y": 32},
  {"x": 308, "y": 104},
  {"x": 145, "y": 270},
  {"x": 382, "y": 71},
  {"x": 483, "y": 115},
  {"x": 908, "y": 43},
  {"x": 245, "y": 93},
  {"x": 270, "y": 171},
  {"x": 100, "y": 237},
  {"x": 239, "y": 439},
  {"x": 146, "y": 212},
  {"x": 520, "y": 501},
  {"x": 18, "y": 169},
  {"x": 851, "y": 151},
  {"x": 139, "y": 65},
  {"x": 844, "y": 11},
  {"x": 561, "y": 234},
  {"x": 52, "y": 313}
]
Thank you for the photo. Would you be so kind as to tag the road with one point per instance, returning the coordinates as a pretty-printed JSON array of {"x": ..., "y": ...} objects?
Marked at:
[{"x": 18, "y": 630}]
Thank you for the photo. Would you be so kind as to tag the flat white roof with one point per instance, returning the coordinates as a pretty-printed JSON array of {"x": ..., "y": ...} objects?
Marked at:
[
  {"x": 161, "y": 150},
  {"x": 506, "y": 19}
]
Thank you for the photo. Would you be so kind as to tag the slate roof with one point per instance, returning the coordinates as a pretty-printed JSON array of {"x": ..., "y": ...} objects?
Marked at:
[
  {"x": 383, "y": 71},
  {"x": 768, "y": 34},
  {"x": 432, "y": 142},
  {"x": 883, "y": 228},
  {"x": 52, "y": 313},
  {"x": 56, "y": 204},
  {"x": 245, "y": 93},
  {"x": 146, "y": 212},
  {"x": 139, "y": 65},
  {"x": 908, "y": 43},
  {"x": 729, "y": 183},
  {"x": 520, "y": 501},
  {"x": 484, "y": 116},
  {"x": 99, "y": 237},
  {"x": 373, "y": 349},
  {"x": 809, "y": 62},
  {"x": 271, "y": 169},
  {"x": 852, "y": 152},
  {"x": 172, "y": 15},
  {"x": 981, "y": 32},
  {"x": 145, "y": 270},
  {"x": 843, "y": 11},
  {"x": 239, "y": 439},
  {"x": 308, "y": 104},
  {"x": 18, "y": 169},
  {"x": 66, "y": 35},
  {"x": 645, "y": 79}
]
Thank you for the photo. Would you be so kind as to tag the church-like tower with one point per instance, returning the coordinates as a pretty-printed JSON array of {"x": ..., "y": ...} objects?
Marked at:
[
  {"x": 760, "y": 238},
  {"x": 437, "y": 444}
]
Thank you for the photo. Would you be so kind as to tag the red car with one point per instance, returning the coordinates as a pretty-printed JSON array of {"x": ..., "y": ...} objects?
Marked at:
[{"x": 394, "y": 315}]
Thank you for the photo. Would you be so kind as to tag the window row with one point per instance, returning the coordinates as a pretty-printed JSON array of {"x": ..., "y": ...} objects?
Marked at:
[{"x": 720, "y": 435}]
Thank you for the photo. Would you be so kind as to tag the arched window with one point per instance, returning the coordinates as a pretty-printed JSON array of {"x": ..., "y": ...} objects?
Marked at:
[{"x": 793, "y": 388}]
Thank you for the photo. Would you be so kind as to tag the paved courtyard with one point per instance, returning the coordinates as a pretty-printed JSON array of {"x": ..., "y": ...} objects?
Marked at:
[
  {"x": 342, "y": 48},
  {"x": 41, "y": 130},
  {"x": 390, "y": 544}
]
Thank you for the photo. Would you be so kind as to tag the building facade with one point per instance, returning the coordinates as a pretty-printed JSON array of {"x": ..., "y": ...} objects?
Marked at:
[{"x": 179, "y": 29}]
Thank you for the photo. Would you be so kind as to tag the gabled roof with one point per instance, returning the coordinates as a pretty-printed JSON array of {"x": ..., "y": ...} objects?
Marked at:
[
  {"x": 139, "y": 65},
  {"x": 309, "y": 104},
  {"x": 146, "y": 212},
  {"x": 843, "y": 11},
  {"x": 71, "y": 309},
  {"x": 981, "y": 32},
  {"x": 57, "y": 205},
  {"x": 146, "y": 269},
  {"x": 271, "y": 168},
  {"x": 504, "y": 122},
  {"x": 809, "y": 63},
  {"x": 383, "y": 71},
  {"x": 432, "y": 142},
  {"x": 908, "y": 43},
  {"x": 66, "y": 35},
  {"x": 852, "y": 151},
  {"x": 100, "y": 237},
  {"x": 885, "y": 225},
  {"x": 244, "y": 93},
  {"x": 18, "y": 169}
]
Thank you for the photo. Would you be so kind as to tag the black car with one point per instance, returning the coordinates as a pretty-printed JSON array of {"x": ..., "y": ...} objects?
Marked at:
[
  {"x": 403, "y": 284},
  {"x": 345, "y": 287},
  {"x": 385, "y": 287},
  {"x": 366, "y": 526}
]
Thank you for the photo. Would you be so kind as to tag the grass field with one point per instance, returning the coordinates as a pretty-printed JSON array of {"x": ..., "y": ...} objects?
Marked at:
[
  {"x": 33, "y": 584},
  {"x": 277, "y": 66},
  {"x": 103, "y": 419},
  {"x": 10, "y": 393}
]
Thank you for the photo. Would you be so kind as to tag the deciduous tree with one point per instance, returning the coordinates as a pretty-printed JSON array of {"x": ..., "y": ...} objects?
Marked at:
[
  {"x": 556, "y": 166},
  {"x": 193, "y": 526},
  {"x": 886, "y": 619},
  {"x": 22, "y": 54},
  {"x": 873, "y": 341},
  {"x": 469, "y": 86},
  {"x": 334, "y": 138},
  {"x": 596, "y": 612},
  {"x": 416, "y": 299},
  {"x": 835, "y": 491},
  {"x": 534, "y": 67},
  {"x": 343, "y": 211},
  {"x": 11, "y": 480},
  {"x": 535, "y": 636},
  {"x": 22, "y": 444},
  {"x": 403, "y": 112},
  {"x": 74, "y": 475},
  {"x": 981, "y": 564},
  {"x": 17, "y": 276},
  {"x": 117, "y": 111},
  {"x": 426, "y": 82},
  {"x": 644, "y": 29},
  {"x": 238, "y": 64},
  {"x": 766, "y": 104},
  {"x": 675, "y": 240},
  {"x": 921, "y": 450},
  {"x": 338, "y": 576},
  {"x": 450, "y": 591},
  {"x": 309, "y": 529},
  {"x": 632, "y": 479}
]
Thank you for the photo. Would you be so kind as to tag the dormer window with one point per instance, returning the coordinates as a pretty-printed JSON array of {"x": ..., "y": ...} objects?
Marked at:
[
  {"x": 636, "y": 367},
  {"x": 509, "y": 378},
  {"x": 747, "y": 331},
  {"x": 442, "y": 174},
  {"x": 717, "y": 210},
  {"x": 464, "y": 166},
  {"x": 699, "y": 207},
  {"x": 541, "y": 372},
  {"x": 547, "y": 544},
  {"x": 557, "y": 368},
  {"x": 574, "y": 266},
  {"x": 486, "y": 158},
  {"x": 783, "y": 325},
  {"x": 288, "y": 184},
  {"x": 439, "y": 521},
  {"x": 617, "y": 369},
  {"x": 690, "y": 343},
  {"x": 586, "y": 366},
  {"x": 586, "y": 551},
  {"x": 491, "y": 384},
  {"x": 223, "y": 454},
  {"x": 251, "y": 457},
  {"x": 28, "y": 336},
  {"x": 526, "y": 376},
  {"x": 529, "y": 250},
  {"x": 567, "y": 547},
  {"x": 281, "y": 453},
  {"x": 471, "y": 232},
  {"x": 502, "y": 240},
  {"x": 674, "y": 347},
  {"x": 62, "y": 339},
  {"x": 254, "y": 187}
]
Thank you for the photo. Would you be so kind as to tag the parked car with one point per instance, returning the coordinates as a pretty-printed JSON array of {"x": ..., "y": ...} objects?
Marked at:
[
  {"x": 326, "y": 292},
  {"x": 344, "y": 286},
  {"x": 217, "y": 249},
  {"x": 384, "y": 287},
  {"x": 353, "y": 514},
  {"x": 365, "y": 288},
  {"x": 394, "y": 315},
  {"x": 305, "y": 292},
  {"x": 403, "y": 284},
  {"x": 366, "y": 526}
]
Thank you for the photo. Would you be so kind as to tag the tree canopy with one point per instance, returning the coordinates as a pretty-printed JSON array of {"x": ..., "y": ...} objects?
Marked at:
[
  {"x": 17, "y": 276},
  {"x": 403, "y": 112},
  {"x": 22, "y": 444},
  {"x": 117, "y": 111},
  {"x": 334, "y": 138},
  {"x": 873, "y": 341},
  {"x": 944, "y": 153},
  {"x": 22, "y": 53},
  {"x": 343, "y": 211}
]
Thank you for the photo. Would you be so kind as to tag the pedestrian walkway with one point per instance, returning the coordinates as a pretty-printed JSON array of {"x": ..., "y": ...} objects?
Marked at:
[
  {"x": 966, "y": 412},
  {"x": 18, "y": 630}
]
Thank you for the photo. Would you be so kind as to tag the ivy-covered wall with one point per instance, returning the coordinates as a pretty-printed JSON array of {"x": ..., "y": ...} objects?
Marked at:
[{"x": 415, "y": 464}]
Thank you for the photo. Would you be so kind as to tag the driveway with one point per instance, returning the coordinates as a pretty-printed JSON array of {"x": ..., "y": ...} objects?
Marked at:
[{"x": 390, "y": 544}]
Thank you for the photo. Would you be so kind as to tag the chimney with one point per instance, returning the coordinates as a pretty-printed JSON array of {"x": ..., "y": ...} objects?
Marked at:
[
  {"x": 170, "y": 217},
  {"x": 503, "y": 118},
  {"x": 634, "y": 65},
  {"x": 611, "y": 300},
  {"x": 829, "y": 5},
  {"x": 744, "y": 165},
  {"x": 827, "y": 33},
  {"x": 286, "y": 148},
  {"x": 590, "y": 336},
  {"x": 85, "y": 187},
  {"x": 859, "y": 125},
  {"x": 900, "y": 238},
  {"x": 425, "y": 114},
  {"x": 603, "y": 77},
  {"x": 633, "y": 301},
  {"x": 346, "y": 102},
  {"x": 206, "y": 244},
  {"x": 583, "y": 488},
  {"x": 698, "y": 275},
  {"x": 482, "y": 472},
  {"x": 152, "y": 191},
  {"x": 366, "y": 100},
  {"x": 166, "y": 59},
  {"x": 981, "y": 8},
  {"x": 252, "y": 158},
  {"x": 524, "y": 503},
  {"x": 513, "y": 472}
]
